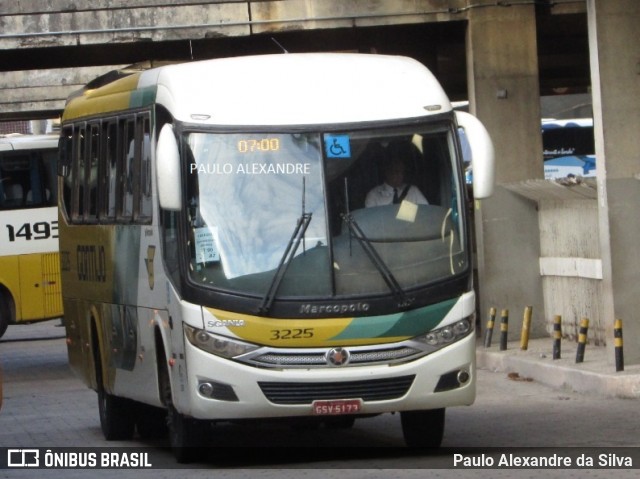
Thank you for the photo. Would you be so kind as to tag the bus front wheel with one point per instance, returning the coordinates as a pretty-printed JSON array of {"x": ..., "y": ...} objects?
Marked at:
[
  {"x": 185, "y": 434},
  {"x": 423, "y": 429}
]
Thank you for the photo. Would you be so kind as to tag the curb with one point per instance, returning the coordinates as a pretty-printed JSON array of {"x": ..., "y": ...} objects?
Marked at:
[{"x": 590, "y": 377}]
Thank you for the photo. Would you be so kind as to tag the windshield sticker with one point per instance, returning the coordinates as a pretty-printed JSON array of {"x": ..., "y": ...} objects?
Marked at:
[
  {"x": 337, "y": 146},
  {"x": 407, "y": 211},
  {"x": 206, "y": 250}
]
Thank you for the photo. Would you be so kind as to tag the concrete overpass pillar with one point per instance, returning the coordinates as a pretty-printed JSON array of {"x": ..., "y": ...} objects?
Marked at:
[
  {"x": 502, "y": 69},
  {"x": 614, "y": 45}
]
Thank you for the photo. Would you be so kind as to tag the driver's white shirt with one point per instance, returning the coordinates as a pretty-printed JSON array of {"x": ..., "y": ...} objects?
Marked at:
[{"x": 383, "y": 195}]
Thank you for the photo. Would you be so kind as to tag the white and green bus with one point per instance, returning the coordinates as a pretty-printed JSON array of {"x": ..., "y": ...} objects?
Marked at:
[
  {"x": 219, "y": 261},
  {"x": 30, "y": 288}
]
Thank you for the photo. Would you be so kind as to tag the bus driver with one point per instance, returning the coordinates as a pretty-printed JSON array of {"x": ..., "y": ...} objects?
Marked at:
[{"x": 394, "y": 189}]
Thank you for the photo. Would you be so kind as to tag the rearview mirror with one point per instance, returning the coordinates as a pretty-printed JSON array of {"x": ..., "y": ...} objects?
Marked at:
[
  {"x": 168, "y": 170},
  {"x": 482, "y": 154}
]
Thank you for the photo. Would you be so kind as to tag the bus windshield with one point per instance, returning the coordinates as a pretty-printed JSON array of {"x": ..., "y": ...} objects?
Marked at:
[{"x": 314, "y": 213}]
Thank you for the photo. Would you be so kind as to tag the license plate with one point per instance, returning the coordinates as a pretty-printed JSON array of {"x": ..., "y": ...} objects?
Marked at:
[{"x": 337, "y": 407}]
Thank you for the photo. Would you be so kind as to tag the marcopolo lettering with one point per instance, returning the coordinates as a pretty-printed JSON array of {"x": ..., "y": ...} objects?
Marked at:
[
  {"x": 92, "y": 263},
  {"x": 334, "y": 308}
]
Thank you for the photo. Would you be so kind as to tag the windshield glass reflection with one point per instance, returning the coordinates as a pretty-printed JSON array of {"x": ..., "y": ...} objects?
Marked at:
[
  {"x": 311, "y": 214},
  {"x": 246, "y": 194}
]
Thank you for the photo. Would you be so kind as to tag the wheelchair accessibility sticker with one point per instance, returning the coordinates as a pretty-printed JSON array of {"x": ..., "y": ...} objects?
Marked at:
[{"x": 337, "y": 146}]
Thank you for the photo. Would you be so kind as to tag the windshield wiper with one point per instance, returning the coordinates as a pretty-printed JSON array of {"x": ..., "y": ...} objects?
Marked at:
[
  {"x": 285, "y": 261},
  {"x": 388, "y": 277},
  {"x": 287, "y": 256}
]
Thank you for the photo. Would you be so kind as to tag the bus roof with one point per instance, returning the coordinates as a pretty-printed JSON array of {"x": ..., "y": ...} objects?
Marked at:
[
  {"x": 28, "y": 142},
  {"x": 283, "y": 89}
]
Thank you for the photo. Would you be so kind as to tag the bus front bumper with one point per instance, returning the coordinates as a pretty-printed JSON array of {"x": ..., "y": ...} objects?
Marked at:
[{"x": 220, "y": 389}]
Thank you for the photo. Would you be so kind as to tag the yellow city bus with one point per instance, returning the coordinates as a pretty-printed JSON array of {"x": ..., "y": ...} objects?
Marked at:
[
  {"x": 30, "y": 288},
  {"x": 219, "y": 262}
]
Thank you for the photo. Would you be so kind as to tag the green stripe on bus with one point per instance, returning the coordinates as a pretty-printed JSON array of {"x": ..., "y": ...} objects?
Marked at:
[
  {"x": 143, "y": 97},
  {"x": 406, "y": 324}
]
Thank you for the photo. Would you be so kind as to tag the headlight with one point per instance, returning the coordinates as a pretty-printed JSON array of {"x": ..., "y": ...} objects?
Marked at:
[
  {"x": 448, "y": 334},
  {"x": 218, "y": 345}
]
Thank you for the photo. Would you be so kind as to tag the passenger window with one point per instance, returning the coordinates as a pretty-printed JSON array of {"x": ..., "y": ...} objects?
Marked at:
[
  {"x": 144, "y": 206},
  {"x": 91, "y": 178},
  {"x": 127, "y": 170},
  {"x": 110, "y": 173},
  {"x": 77, "y": 201}
]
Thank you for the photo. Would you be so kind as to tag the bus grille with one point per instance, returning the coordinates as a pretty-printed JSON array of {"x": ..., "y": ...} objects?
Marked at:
[
  {"x": 300, "y": 358},
  {"x": 306, "y": 393}
]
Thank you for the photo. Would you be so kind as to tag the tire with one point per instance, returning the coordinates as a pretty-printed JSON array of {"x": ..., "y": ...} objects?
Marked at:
[
  {"x": 423, "y": 429},
  {"x": 117, "y": 419},
  {"x": 4, "y": 315},
  {"x": 116, "y": 416},
  {"x": 151, "y": 422},
  {"x": 186, "y": 435}
]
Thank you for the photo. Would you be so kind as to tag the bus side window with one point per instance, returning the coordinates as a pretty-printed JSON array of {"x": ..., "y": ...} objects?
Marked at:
[
  {"x": 77, "y": 198},
  {"x": 170, "y": 245},
  {"x": 13, "y": 195},
  {"x": 126, "y": 168},
  {"x": 91, "y": 173},
  {"x": 65, "y": 168},
  {"x": 144, "y": 191},
  {"x": 110, "y": 195}
]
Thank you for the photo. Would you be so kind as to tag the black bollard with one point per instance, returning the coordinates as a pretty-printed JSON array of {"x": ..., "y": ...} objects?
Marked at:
[
  {"x": 504, "y": 329},
  {"x": 582, "y": 340},
  {"x": 488, "y": 333},
  {"x": 557, "y": 336},
  {"x": 617, "y": 342}
]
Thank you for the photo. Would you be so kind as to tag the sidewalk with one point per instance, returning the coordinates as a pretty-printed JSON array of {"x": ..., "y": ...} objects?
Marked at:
[{"x": 596, "y": 375}]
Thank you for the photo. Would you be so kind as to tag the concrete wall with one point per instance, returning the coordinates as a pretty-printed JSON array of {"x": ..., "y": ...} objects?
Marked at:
[
  {"x": 570, "y": 266},
  {"x": 36, "y": 23},
  {"x": 615, "y": 69},
  {"x": 503, "y": 78},
  {"x": 33, "y": 23}
]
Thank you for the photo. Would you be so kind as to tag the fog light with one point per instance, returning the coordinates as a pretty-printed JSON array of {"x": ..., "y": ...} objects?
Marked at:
[
  {"x": 463, "y": 377},
  {"x": 452, "y": 380},
  {"x": 206, "y": 389},
  {"x": 213, "y": 390}
]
